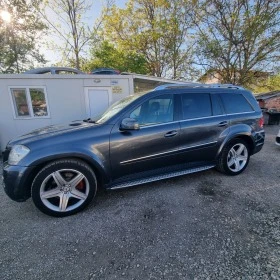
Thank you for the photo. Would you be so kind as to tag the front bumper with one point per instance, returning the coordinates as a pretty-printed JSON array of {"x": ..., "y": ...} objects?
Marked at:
[{"x": 17, "y": 183}]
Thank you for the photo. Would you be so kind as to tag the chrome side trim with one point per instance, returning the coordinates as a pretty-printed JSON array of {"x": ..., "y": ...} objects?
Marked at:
[
  {"x": 164, "y": 153},
  {"x": 147, "y": 157},
  {"x": 161, "y": 177},
  {"x": 225, "y": 115},
  {"x": 157, "y": 124},
  {"x": 201, "y": 118},
  {"x": 196, "y": 146},
  {"x": 241, "y": 113}
]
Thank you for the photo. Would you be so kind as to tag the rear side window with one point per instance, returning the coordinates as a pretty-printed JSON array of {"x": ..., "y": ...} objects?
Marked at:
[
  {"x": 196, "y": 105},
  {"x": 236, "y": 103}
]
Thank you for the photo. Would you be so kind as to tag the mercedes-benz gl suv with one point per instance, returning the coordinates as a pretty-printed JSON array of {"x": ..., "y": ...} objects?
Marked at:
[{"x": 168, "y": 132}]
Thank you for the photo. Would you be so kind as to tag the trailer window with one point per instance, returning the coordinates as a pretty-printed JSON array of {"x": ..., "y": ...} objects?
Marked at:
[
  {"x": 30, "y": 102},
  {"x": 20, "y": 102}
]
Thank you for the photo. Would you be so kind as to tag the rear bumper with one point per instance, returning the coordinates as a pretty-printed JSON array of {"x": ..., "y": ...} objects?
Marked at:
[
  {"x": 17, "y": 184},
  {"x": 259, "y": 137},
  {"x": 277, "y": 140}
]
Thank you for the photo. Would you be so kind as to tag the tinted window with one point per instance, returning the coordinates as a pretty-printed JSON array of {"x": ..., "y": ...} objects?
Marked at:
[
  {"x": 155, "y": 110},
  {"x": 65, "y": 72},
  {"x": 196, "y": 105},
  {"x": 115, "y": 108},
  {"x": 235, "y": 103},
  {"x": 216, "y": 105}
]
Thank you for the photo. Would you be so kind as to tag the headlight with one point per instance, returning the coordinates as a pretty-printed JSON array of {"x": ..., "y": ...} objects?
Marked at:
[{"x": 17, "y": 153}]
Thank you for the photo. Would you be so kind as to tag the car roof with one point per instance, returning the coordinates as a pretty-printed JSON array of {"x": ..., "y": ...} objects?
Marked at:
[
  {"x": 52, "y": 69},
  {"x": 104, "y": 69},
  {"x": 197, "y": 85}
]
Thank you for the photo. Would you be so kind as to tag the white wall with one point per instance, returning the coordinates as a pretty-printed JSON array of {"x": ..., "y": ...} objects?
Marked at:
[{"x": 66, "y": 99}]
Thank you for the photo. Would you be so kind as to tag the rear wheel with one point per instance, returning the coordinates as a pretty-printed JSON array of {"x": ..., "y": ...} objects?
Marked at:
[
  {"x": 234, "y": 157},
  {"x": 64, "y": 187}
]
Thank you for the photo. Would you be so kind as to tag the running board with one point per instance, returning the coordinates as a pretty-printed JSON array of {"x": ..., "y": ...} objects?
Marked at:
[{"x": 160, "y": 177}]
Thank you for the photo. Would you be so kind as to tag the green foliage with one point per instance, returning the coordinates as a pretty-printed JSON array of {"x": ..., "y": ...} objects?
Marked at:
[
  {"x": 19, "y": 38},
  {"x": 37, "y": 95},
  {"x": 158, "y": 30},
  {"x": 270, "y": 84},
  {"x": 238, "y": 38},
  {"x": 106, "y": 55}
]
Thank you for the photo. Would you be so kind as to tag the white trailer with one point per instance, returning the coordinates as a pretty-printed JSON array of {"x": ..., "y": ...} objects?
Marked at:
[{"x": 28, "y": 102}]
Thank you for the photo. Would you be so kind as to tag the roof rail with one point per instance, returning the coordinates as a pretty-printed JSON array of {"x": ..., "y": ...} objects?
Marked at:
[
  {"x": 197, "y": 85},
  {"x": 225, "y": 86},
  {"x": 165, "y": 86}
]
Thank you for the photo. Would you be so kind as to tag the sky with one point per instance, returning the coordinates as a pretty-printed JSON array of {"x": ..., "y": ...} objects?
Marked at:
[{"x": 91, "y": 16}]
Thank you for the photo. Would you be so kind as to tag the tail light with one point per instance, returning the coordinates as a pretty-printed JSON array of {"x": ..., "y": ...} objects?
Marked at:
[{"x": 261, "y": 122}]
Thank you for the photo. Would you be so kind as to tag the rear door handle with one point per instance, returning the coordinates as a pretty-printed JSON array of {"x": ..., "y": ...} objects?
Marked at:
[
  {"x": 224, "y": 123},
  {"x": 171, "y": 133}
]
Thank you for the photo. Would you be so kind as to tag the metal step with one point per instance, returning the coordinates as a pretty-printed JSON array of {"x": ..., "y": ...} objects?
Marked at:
[{"x": 160, "y": 177}]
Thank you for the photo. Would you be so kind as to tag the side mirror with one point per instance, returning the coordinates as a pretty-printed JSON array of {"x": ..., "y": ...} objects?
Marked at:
[{"x": 129, "y": 124}]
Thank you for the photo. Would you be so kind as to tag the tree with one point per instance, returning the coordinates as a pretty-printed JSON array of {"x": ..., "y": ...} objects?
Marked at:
[
  {"x": 107, "y": 55},
  {"x": 71, "y": 28},
  {"x": 156, "y": 29},
  {"x": 238, "y": 37},
  {"x": 177, "y": 37},
  {"x": 19, "y": 36},
  {"x": 68, "y": 26}
]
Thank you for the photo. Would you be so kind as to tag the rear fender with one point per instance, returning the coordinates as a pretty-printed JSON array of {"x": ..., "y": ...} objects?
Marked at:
[{"x": 238, "y": 131}]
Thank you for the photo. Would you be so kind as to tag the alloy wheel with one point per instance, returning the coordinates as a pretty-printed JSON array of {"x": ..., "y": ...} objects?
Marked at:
[
  {"x": 237, "y": 157},
  {"x": 64, "y": 190}
]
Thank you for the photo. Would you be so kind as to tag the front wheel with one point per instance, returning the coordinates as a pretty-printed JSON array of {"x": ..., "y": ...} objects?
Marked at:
[
  {"x": 64, "y": 187},
  {"x": 234, "y": 157}
]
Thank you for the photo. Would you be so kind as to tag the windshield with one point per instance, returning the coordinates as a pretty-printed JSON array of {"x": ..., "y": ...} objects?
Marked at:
[{"x": 115, "y": 108}]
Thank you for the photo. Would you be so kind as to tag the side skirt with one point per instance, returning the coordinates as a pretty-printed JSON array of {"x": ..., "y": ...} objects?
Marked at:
[{"x": 159, "y": 177}]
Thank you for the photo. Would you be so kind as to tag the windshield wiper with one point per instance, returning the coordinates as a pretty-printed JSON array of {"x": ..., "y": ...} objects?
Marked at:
[{"x": 89, "y": 120}]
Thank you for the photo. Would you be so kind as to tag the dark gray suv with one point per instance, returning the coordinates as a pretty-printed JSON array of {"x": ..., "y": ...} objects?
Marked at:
[{"x": 168, "y": 132}]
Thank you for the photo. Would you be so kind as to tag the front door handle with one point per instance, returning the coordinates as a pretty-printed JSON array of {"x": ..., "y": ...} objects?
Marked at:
[
  {"x": 224, "y": 123},
  {"x": 171, "y": 133}
]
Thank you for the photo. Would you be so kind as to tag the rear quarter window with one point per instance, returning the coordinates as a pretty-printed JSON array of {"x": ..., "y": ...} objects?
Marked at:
[{"x": 236, "y": 103}]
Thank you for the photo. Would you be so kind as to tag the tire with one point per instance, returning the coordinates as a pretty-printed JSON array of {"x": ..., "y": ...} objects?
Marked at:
[
  {"x": 64, "y": 187},
  {"x": 234, "y": 157}
]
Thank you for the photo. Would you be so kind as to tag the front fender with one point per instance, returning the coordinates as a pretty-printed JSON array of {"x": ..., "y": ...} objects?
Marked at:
[{"x": 96, "y": 159}]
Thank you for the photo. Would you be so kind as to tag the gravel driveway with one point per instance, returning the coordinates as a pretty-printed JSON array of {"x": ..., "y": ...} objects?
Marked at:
[{"x": 200, "y": 226}]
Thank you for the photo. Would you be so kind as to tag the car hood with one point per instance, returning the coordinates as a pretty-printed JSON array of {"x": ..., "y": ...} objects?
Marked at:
[{"x": 49, "y": 131}]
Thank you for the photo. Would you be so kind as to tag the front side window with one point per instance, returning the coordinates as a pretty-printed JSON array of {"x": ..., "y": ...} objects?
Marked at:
[
  {"x": 196, "y": 105},
  {"x": 155, "y": 110},
  {"x": 29, "y": 102},
  {"x": 116, "y": 108}
]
